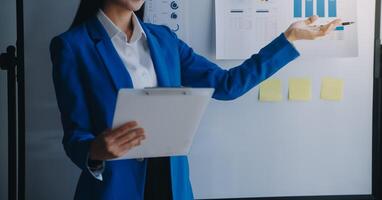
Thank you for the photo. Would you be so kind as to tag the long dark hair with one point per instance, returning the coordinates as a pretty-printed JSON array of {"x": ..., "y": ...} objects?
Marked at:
[{"x": 89, "y": 8}]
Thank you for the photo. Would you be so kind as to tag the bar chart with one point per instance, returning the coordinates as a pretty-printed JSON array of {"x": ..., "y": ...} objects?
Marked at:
[{"x": 322, "y": 8}]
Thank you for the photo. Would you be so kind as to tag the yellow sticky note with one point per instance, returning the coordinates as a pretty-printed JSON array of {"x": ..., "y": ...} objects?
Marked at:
[
  {"x": 300, "y": 89},
  {"x": 332, "y": 89},
  {"x": 270, "y": 90}
]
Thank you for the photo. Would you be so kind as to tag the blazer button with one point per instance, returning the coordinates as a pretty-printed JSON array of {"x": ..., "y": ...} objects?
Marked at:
[{"x": 140, "y": 159}]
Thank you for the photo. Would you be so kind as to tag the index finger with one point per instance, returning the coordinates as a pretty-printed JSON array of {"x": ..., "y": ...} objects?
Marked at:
[
  {"x": 331, "y": 25},
  {"x": 123, "y": 128}
]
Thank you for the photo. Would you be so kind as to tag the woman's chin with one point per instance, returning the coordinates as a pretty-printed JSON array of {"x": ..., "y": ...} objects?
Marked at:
[{"x": 133, "y": 5}]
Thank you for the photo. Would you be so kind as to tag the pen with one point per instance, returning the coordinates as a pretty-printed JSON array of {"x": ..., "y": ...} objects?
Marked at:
[
  {"x": 343, "y": 24},
  {"x": 347, "y": 23}
]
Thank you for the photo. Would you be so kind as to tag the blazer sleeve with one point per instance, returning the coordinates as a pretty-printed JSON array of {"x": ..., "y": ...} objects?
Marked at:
[
  {"x": 71, "y": 101},
  {"x": 197, "y": 71}
]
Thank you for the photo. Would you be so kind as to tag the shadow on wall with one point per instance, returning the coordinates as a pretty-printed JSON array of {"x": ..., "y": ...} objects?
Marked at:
[{"x": 47, "y": 164}]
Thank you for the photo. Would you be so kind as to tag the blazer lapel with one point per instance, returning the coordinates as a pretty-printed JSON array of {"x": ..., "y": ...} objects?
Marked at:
[
  {"x": 114, "y": 64},
  {"x": 117, "y": 70}
]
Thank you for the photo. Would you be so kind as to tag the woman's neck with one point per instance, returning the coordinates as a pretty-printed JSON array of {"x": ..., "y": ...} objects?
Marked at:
[{"x": 121, "y": 17}]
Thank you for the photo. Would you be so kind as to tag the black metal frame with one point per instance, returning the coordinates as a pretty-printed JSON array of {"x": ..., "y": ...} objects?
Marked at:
[
  {"x": 350, "y": 197},
  {"x": 21, "y": 99},
  {"x": 13, "y": 62},
  {"x": 377, "y": 109},
  {"x": 8, "y": 62}
]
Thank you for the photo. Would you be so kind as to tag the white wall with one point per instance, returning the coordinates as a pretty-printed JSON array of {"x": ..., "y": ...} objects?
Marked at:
[{"x": 50, "y": 174}]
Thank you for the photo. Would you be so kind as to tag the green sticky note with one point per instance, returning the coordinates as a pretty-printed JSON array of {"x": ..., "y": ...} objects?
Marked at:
[
  {"x": 270, "y": 90},
  {"x": 332, "y": 89},
  {"x": 300, "y": 89}
]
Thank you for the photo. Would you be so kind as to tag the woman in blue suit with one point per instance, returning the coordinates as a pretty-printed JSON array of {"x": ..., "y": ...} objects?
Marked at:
[{"x": 109, "y": 48}]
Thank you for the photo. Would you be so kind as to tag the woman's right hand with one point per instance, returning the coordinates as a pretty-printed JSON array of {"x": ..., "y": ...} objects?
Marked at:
[
  {"x": 305, "y": 30},
  {"x": 116, "y": 143}
]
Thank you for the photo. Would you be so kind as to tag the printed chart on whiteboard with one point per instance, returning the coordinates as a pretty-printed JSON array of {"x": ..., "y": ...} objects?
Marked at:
[
  {"x": 171, "y": 13},
  {"x": 243, "y": 27}
]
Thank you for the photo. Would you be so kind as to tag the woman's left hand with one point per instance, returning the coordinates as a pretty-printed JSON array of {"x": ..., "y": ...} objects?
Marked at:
[{"x": 305, "y": 30}]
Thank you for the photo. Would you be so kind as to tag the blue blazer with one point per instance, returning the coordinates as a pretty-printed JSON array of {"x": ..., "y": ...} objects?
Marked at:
[{"x": 87, "y": 74}]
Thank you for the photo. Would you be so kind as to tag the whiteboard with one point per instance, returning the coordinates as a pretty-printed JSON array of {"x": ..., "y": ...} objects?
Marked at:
[{"x": 245, "y": 148}]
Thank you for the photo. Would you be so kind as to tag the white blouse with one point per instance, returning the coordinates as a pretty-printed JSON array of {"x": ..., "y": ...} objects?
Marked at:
[{"x": 135, "y": 53}]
